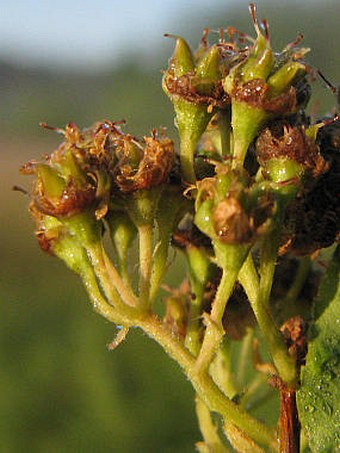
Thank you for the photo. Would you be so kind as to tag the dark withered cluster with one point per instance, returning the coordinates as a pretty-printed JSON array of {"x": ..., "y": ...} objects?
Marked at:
[{"x": 92, "y": 171}]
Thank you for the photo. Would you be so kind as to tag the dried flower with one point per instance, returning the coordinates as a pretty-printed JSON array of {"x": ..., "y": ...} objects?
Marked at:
[
  {"x": 142, "y": 167},
  {"x": 261, "y": 87}
]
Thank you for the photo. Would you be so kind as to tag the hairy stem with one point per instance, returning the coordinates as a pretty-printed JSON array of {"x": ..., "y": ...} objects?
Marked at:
[
  {"x": 239, "y": 440},
  {"x": 88, "y": 235},
  {"x": 96, "y": 256},
  {"x": 208, "y": 428},
  {"x": 283, "y": 362},
  {"x": 205, "y": 387},
  {"x": 125, "y": 292},
  {"x": 214, "y": 330},
  {"x": 99, "y": 303}
]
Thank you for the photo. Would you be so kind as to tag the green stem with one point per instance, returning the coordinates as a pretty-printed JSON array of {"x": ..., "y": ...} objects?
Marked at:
[
  {"x": 122, "y": 264},
  {"x": 169, "y": 211},
  {"x": 119, "y": 338},
  {"x": 283, "y": 362},
  {"x": 123, "y": 271},
  {"x": 244, "y": 358},
  {"x": 192, "y": 338},
  {"x": 198, "y": 266},
  {"x": 240, "y": 147},
  {"x": 214, "y": 330},
  {"x": 221, "y": 369},
  {"x": 205, "y": 387},
  {"x": 224, "y": 119},
  {"x": 300, "y": 279},
  {"x": 159, "y": 262},
  {"x": 268, "y": 257},
  {"x": 239, "y": 440},
  {"x": 211, "y": 395},
  {"x": 246, "y": 121},
  {"x": 209, "y": 430},
  {"x": 87, "y": 231},
  {"x": 187, "y": 155},
  {"x": 100, "y": 305},
  {"x": 95, "y": 254},
  {"x": 122, "y": 232},
  {"x": 125, "y": 292},
  {"x": 145, "y": 260}
]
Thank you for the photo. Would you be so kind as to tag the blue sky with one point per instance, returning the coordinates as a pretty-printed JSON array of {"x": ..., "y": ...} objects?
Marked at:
[
  {"x": 87, "y": 32},
  {"x": 90, "y": 33}
]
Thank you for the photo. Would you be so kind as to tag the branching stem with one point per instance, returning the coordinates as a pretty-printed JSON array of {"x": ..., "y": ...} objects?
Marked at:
[
  {"x": 125, "y": 292},
  {"x": 208, "y": 428},
  {"x": 214, "y": 330},
  {"x": 283, "y": 362},
  {"x": 206, "y": 389},
  {"x": 98, "y": 301}
]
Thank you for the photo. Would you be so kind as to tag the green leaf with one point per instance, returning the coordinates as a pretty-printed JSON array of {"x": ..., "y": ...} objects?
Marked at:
[{"x": 318, "y": 398}]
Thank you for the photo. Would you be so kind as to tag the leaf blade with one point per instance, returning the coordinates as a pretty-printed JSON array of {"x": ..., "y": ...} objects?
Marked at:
[{"x": 318, "y": 397}]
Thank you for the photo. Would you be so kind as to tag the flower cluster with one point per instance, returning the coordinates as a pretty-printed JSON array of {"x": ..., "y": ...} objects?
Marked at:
[
  {"x": 93, "y": 174},
  {"x": 252, "y": 181}
]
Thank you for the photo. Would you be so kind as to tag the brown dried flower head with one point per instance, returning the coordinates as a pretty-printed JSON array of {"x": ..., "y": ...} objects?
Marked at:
[
  {"x": 283, "y": 141},
  {"x": 143, "y": 165}
]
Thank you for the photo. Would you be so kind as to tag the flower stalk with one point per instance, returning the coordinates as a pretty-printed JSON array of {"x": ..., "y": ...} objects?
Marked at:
[{"x": 283, "y": 362}]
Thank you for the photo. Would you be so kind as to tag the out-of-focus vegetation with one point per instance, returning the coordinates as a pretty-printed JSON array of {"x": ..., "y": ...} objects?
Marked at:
[{"x": 61, "y": 390}]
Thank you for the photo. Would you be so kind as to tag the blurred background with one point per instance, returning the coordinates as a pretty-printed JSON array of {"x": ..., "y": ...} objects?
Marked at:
[{"x": 61, "y": 389}]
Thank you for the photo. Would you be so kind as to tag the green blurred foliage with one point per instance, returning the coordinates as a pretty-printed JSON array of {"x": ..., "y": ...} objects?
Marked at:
[{"x": 61, "y": 389}]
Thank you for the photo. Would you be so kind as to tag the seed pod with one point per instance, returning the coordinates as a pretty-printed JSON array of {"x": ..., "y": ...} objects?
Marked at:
[
  {"x": 195, "y": 90},
  {"x": 261, "y": 87},
  {"x": 287, "y": 155}
]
